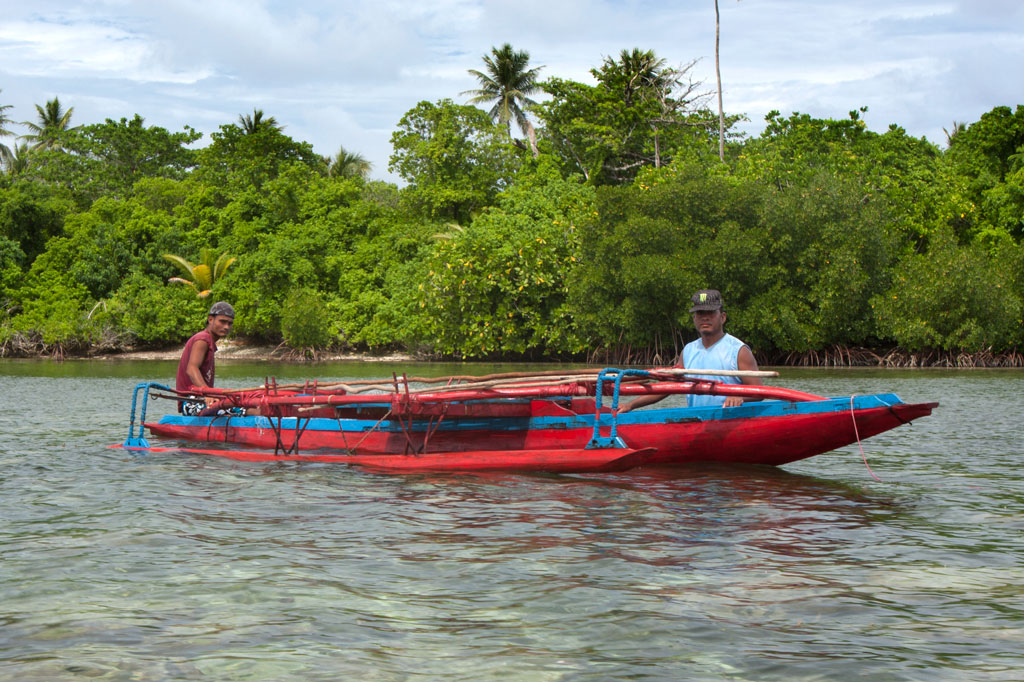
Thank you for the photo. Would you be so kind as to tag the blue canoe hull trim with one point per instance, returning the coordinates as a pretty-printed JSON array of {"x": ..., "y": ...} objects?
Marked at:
[{"x": 767, "y": 408}]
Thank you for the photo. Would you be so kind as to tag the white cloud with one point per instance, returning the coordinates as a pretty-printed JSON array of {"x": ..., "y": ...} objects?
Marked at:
[
  {"x": 43, "y": 49},
  {"x": 344, "y": 72}
]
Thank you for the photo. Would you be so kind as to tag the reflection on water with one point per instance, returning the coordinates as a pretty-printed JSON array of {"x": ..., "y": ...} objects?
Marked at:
[{"x": 123, "y": 567}]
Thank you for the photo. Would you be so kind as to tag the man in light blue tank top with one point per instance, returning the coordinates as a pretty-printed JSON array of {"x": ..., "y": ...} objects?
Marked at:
[{"x": 713, "y": 350}]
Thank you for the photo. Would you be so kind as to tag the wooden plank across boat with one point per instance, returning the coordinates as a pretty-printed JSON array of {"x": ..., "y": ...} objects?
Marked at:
[{"x": 522, "y": 422}]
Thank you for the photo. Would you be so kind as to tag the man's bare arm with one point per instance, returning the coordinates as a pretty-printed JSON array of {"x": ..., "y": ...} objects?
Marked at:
[
  {"x": 195, "y": 362},
  {"x": 745, "y": 361}
]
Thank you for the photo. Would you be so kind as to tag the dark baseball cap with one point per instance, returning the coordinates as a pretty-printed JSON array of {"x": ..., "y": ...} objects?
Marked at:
[
  {"x": 222, "y": 308},
  {"x": 706, "y": 299}
]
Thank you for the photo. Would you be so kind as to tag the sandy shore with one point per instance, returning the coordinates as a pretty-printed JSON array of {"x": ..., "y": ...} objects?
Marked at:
[{"x": 234, "y": 349}]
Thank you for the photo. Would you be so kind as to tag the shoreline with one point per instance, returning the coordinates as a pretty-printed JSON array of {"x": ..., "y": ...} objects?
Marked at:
[
  {"x": 240, "y": 350},
  {"x": 233, "y": 349}
]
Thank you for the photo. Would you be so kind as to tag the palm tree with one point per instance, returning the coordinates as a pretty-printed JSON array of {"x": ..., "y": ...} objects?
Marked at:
[
  {"x": 5, "y": 152},
  {"x": 348, "y": 165},
  {"x": 640, "y": 76},
  {"x": 958, "y": 127},
  {"x": 508, "y": 84},
  {"x": 640, "y": 71},
  {"x": 53, "y": 120},
  {"x": 202, "y": 275},
  {"x": 256, "y": 122},
  {"x": 17, "y": 159}
]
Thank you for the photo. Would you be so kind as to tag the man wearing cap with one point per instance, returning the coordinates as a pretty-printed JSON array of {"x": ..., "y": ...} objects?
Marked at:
[
  {"x": 713, "y": 350},
  {"x": 196, "y": 367}
]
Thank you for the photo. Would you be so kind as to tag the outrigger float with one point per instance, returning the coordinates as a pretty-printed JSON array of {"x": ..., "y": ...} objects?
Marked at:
[{"x": 545, "y": 422}]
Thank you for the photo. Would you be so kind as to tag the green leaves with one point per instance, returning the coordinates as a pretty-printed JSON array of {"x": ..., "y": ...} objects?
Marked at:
[
  {"x": 153, "y": 313},
  {"x": 820, "y": 232},
  {"x": 647, "y": 247},
  {"x": 55, "y": 311},
  {"x": 304, "y": 320},
  {"x": 107, "y": 159},
  {"x": 454, "y": 159},
  {"x": 952, "y": 298},
  {"x": 29, "y": 217},
  {"x": 641, "y": 114},
  {"x": 500, "y": 285},
  {"x": 239, "y": 159}
]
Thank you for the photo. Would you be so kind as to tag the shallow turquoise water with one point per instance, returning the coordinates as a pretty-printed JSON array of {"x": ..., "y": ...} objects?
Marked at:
[{"x": 121, "y": 567}]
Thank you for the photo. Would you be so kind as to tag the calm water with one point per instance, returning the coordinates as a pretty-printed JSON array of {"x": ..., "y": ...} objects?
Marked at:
[{"x": 120, "y": 567}]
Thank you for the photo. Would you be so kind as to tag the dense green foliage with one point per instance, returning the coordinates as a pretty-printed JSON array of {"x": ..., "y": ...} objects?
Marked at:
[
  {"x": 454, "y": 159},
  {"x": 500, "y": 286},
  {"x": 106, "y": 159},
  {"x": 642, "y": 113},
  {"x": 304, "y": 320},
  {"x": 819, "y": 232}
]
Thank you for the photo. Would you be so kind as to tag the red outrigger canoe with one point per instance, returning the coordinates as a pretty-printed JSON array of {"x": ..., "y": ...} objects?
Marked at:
[{"x": 513, "y": 422}]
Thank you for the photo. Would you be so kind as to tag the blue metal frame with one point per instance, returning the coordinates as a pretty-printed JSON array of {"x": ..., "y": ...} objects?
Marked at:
[
  {"x": 612, "y": 440},
  {"x": 140, "y": 442}
]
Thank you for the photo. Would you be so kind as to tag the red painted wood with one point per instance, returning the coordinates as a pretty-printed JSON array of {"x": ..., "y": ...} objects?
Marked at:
[
  {"x": 760, "y": 440},
  {"x": 552, "y": 461}
]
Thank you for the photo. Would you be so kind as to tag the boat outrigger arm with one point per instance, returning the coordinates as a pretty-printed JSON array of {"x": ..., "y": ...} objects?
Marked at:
[{"x": 548, "y": 421}]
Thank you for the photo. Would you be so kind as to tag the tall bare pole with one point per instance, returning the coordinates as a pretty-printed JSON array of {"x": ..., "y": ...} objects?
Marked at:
[{"x": 718, "y": 74}]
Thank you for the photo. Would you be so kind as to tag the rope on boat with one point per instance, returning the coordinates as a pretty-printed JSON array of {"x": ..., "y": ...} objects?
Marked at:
[
  {"x": 370, "y": 430},
  {"x": 856, "y": 433}
]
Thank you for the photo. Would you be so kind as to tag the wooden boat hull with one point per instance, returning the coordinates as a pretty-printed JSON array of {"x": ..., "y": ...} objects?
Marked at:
[
  {"x": 582, "y": 460},
  {"x": 771, "y": 432}
]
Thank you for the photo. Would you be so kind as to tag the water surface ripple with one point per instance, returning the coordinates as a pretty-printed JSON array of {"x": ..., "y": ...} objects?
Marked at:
[{"x": 121, "y": 567}]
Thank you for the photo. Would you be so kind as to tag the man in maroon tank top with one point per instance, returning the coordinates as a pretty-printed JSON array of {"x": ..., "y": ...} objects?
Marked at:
[{"x": 196, "y": 367}]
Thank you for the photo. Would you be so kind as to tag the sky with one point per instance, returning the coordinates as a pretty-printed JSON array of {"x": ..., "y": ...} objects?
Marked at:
[{"x": 342, "y": 73}]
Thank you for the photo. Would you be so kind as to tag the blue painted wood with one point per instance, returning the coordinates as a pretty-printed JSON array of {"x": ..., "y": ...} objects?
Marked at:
[{"x": 766, "y": 408}]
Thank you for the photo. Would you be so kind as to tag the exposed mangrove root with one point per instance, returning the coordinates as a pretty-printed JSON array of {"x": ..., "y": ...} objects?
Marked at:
[
  {"x": 660, "y": 354},
  {"x": 842, "y": 356},
  {"x": 32, "y": 345},
  {"x": 835, "y": 356},
  {"x": 952, "y": 359},
  {"x": 289, "y": 354},
  {"x": 19, "y": 345}
]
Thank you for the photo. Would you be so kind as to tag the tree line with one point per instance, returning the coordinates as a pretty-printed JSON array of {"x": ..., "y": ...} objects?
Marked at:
[{"x": 571, "y": 220}]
